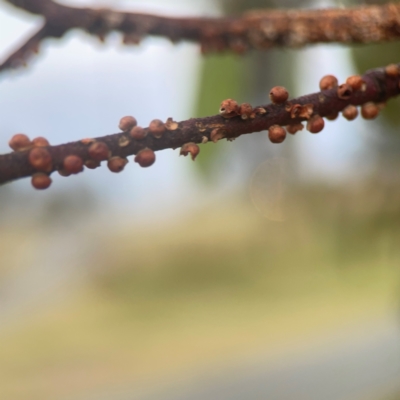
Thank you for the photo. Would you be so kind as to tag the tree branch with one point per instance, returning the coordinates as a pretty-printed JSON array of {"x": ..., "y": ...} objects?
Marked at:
[
  {"x": 375, "y": 86},
  {"x": 253, "y": 30}
]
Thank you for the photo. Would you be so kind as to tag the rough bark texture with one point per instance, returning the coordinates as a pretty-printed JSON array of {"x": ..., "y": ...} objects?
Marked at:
[{"x": 259, "y": 29}]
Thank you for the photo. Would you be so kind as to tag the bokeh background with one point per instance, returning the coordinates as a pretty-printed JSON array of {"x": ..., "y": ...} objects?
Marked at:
[{"x": 259, "y": 271}]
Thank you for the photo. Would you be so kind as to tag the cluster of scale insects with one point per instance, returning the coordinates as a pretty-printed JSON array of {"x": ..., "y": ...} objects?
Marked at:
[
  {"x": 315, "y": 123},
  {"x": 40, "y": 158}
]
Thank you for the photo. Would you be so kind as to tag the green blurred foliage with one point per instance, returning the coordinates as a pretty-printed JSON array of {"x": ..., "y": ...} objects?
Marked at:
[
  {"x": 217, "y": 283},
  {"x": 329, "y": 232},
  {"x": 221, "y": 78}
]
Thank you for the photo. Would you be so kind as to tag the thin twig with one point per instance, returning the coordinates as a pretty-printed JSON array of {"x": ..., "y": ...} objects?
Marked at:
[
  {"x": 259, "y": 29},
  {"x": 378, "y": 86}
]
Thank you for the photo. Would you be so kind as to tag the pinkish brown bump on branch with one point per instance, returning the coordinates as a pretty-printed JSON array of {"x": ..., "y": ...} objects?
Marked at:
[
  {"x": 328, "y": 82},
  {"x": 40, "y": 181},
  {"x": 99, "y": 151},
  {"x": 157, "y": 128},
  {"x": 190, "y": 148},
  {"x": 392, "y": 70},
  {"x": 276, "y": 134},
  {"x": 73, "y": 164},
  {"x": 40, "y": 159},
  {"x": 315, "y": 124},
  {"x": 145, "y": 158},
  {"x": 127, "y": 123},
  {"x": 40, "y": 142},
  {"x": 229, "y": 108},
  {"x": 350, "y": 112},
  {"x": 355, "y": 81},
  {"x": 246, "y": 111},
  {"x": 19, "y": 142},
  {"x": 278, "y": 94},
  {"x": 117, "y": 164},
  {"x": 138, "y": 133},
  {"x": 369, "y": 110}
]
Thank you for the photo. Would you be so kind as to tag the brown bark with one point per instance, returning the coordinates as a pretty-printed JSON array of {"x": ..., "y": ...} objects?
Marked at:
[
  {"x": 260, "y": 29},
  {"x": 380, "y": 85}
]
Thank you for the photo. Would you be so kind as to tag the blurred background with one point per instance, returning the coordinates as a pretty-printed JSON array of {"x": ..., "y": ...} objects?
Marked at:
[{"x": 260, "y": 271}]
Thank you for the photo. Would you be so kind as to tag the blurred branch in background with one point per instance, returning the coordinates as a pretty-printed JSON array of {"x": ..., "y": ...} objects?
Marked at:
[{"x": 260, "y": 29}]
